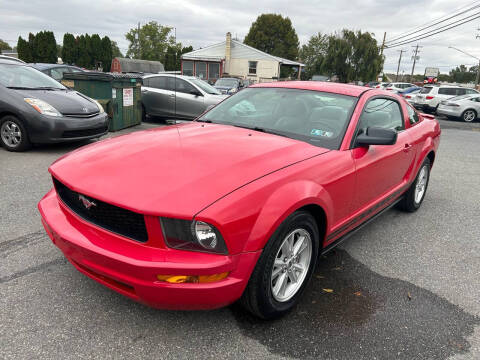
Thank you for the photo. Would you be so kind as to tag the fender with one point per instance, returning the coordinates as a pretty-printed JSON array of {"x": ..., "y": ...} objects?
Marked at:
[{"x": 283, "y": 202}]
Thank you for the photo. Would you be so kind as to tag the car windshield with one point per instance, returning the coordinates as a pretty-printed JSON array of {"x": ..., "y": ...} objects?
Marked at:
[
  {"x": 227, "y": 82},
  {"x": 26, "y": 77},
  {"x": 318, "y": 118},
  {"x": 209, "y": 89}
]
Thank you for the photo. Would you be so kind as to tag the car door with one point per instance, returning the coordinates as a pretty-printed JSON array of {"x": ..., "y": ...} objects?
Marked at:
[
  {"x": 189, "y": 100},
  {"x": 381, "y": 170},
  {"x": 157, "y": 98}
]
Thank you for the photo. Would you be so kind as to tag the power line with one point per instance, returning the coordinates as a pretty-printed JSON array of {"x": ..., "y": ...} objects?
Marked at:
[
  {"x": 435, "y": 23},
  {"x": 423, "y": 36}
]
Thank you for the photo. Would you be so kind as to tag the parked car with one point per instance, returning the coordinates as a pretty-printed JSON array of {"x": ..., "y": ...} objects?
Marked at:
[
  {"x": 173, "y": 96},
  {"x": 430, "y": 96},
  {"x": 381, "y": 85},
  {"x": 372, "y": 84},
  {"x": 410, "y": 93},
  {"x": 320, "y": 78},
  {"x": 465, "y": 107},
  {"x": 34, "y": 108},
  {"x": 243, "y": 200},
  {"x": 228, "y": 86},
  {"x": 398, "y": 86},
  {"x": 56, "y": 71}
]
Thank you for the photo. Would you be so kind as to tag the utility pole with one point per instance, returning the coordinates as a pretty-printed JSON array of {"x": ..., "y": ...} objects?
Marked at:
[
  {"x": 399, "y": 61},
  {"x": 414, "y": 61},
  {"x": 381, "y": 51}
]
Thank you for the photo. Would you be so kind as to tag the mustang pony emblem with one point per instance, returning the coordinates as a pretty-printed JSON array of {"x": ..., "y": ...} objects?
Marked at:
[{"x": 87, "y": 203}]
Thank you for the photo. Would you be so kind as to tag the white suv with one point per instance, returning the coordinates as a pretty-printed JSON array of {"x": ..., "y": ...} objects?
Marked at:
[{"x": 430, "y": 97}]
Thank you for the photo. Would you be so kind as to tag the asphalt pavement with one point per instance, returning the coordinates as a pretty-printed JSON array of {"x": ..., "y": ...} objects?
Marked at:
[{"x": 406, "y": 286}]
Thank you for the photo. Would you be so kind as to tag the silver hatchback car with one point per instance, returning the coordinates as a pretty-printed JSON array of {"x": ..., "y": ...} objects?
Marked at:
[
  {"x": 177, "y": 96},
  {"x": 465, "y": 107}
]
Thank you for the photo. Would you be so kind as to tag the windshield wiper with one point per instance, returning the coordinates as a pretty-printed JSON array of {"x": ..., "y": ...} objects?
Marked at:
[
  {"x": 47, "y": 88},
  {"x": 19, "y": 88},
  {"x": 204, "y": 120}
]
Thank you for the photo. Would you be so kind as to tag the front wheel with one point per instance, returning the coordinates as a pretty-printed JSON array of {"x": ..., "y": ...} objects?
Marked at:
[
  {"x": 469, "y": 115},
  {"x": 416, "y": 193},
  {"x": 284, "y": 268},
  {"x": 13, "y": 134}
]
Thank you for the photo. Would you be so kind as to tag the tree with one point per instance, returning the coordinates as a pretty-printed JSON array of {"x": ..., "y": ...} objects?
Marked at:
[
  {"x": 115, "y": 50},
  {"x": 106, "y": 56},
  {"x": 152, "y": 42},
  {"x": 275, "y": 35},
  {"x": 70, "y": 49},
  {"x": 313, "y": 55},
  {"x": 4, "y": 46},
  {"x": 461, "y": 74},
  {"x": 353, "y": 56},
  {"x": 83, "y": 58},
  {"x": 96, "y": 52},
  {"x": 24, "y": 50}
]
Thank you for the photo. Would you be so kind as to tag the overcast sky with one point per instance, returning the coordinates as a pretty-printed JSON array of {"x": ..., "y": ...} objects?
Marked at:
[{"x": 201, "y": 23}]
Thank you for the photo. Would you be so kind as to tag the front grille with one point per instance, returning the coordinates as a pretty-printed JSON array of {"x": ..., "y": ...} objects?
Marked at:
[
  {"x": 84, "y": 132},
  {"x": 82, "y": 115},
  {"x": 113, "y": 218}
]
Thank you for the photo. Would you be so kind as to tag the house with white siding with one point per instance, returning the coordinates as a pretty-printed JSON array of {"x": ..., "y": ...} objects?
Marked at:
[{"x": 234, "y": 58}]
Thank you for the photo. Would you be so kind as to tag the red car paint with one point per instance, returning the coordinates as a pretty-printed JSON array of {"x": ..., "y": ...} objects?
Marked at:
[{"x": 243, "y": 182}]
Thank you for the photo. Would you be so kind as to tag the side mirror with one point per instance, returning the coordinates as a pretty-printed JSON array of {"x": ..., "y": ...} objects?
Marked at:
[
  {"x": 376, "y": 136},
  {"x": 196, "y": 93}
]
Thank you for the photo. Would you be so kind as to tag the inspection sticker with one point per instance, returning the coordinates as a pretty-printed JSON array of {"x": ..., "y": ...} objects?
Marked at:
[
  {"x": 127, "y": 97},
  {"x": 318, "y": 132}
]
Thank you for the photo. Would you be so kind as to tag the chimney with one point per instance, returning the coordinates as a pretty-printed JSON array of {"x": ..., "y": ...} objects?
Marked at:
[{"x": 228, "y": 52}]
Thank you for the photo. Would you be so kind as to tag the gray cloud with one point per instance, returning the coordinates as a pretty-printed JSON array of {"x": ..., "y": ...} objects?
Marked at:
[{"x": 202, "y": 23}]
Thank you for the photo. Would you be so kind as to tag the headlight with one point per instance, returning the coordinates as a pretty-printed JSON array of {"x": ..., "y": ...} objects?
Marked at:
[
  {"x": 192, "y": 235},
  {"x": 42, "y": 107},
  {"x": 232, "y": 91},
  {"x": 100, "y": 107}
]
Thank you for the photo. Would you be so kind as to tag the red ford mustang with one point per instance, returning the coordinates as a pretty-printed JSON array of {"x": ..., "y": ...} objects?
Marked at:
[{"x": 240, "y": 203}]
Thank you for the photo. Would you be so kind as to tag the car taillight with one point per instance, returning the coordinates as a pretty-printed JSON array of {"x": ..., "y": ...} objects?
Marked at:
[
  {"x": 408, "y": 96},
  {"x": 429, "y": 97},
  {"x": 389, "y": 88}
]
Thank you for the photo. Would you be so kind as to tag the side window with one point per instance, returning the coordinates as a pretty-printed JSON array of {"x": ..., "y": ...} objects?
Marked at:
[
  {"x": 158, "y": 82},
  {"x": 412, "y": 115},
  {"x": 183, "y": 86},
  {"x": 57, "y": 73},
  {"x": 382, "y": 113},
  {"x": 461, "y": 92},
  {"x": 471, "y": 91},
  {"x": 447, "y": 91}
]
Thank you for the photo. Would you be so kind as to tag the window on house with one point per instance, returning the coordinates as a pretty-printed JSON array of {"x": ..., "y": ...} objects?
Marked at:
[
  {"x": 201, "y": 70},
  {"x": 187, "y": 68},
  {"x": 213, "y": 71},
  {"x": 252, "y": 67}
]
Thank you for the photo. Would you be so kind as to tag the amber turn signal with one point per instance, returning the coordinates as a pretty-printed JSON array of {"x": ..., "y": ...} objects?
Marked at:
[{"x": 180, "y": 279}]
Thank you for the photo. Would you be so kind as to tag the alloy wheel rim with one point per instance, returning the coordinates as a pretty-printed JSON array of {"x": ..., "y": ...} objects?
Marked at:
[
  {"x": 421, "y": 185},
  {"x": 469, "y": 116},
  {"x": 291, "y": 265},
  {"x": 11, "y": 134}
]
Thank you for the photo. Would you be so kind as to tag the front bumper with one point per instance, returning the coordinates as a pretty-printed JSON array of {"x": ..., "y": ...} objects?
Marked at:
[
  {"x": 47, "y": 129},
  {"x": 425, "y": 107},
  {"x": 130, "y": 268}
]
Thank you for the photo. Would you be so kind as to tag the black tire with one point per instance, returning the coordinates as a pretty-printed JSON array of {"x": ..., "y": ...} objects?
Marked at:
[
  {"x": 258, "y": 298},
  {"x": 469, "y": 115},
  {"x": 410, "y": 203},
  {"x": 144, "y": 113},
  {"x": 6, "y": 123}
]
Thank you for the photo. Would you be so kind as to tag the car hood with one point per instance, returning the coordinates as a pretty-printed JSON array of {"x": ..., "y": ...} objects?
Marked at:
[
  {"x": 67, "y": 102},
  {"x": 224, "y": 87},
  {"x": 177, "y": 170}
]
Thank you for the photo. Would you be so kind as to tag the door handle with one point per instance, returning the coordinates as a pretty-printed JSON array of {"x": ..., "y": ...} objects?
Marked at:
[
  {"x": 407, "y": 147},
  {"x": 172, "y": 95}
]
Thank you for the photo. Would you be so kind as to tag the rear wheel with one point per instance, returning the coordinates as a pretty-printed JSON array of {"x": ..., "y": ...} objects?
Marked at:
[
  {"x": 284, "y": 268},
  {"x": 416, "y": 193},
  {"x": 469, "y": 115},
  {"x": 13, "y": 134}
]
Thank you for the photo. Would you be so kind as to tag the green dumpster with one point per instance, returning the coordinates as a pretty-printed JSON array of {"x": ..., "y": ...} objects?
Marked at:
[{"x": 119, "y": 94}]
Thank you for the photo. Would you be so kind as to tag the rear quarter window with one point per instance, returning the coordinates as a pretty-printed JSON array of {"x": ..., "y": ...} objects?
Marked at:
[{"x": 425, "y": 90}]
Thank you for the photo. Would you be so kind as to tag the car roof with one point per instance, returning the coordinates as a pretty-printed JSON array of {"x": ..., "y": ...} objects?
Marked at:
[
  {"x": 331, "y": 87},
  {"x": 44, "y": 66},
  {"x": 171, "y": 75},
  {"x": 10, "y": 59}
]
